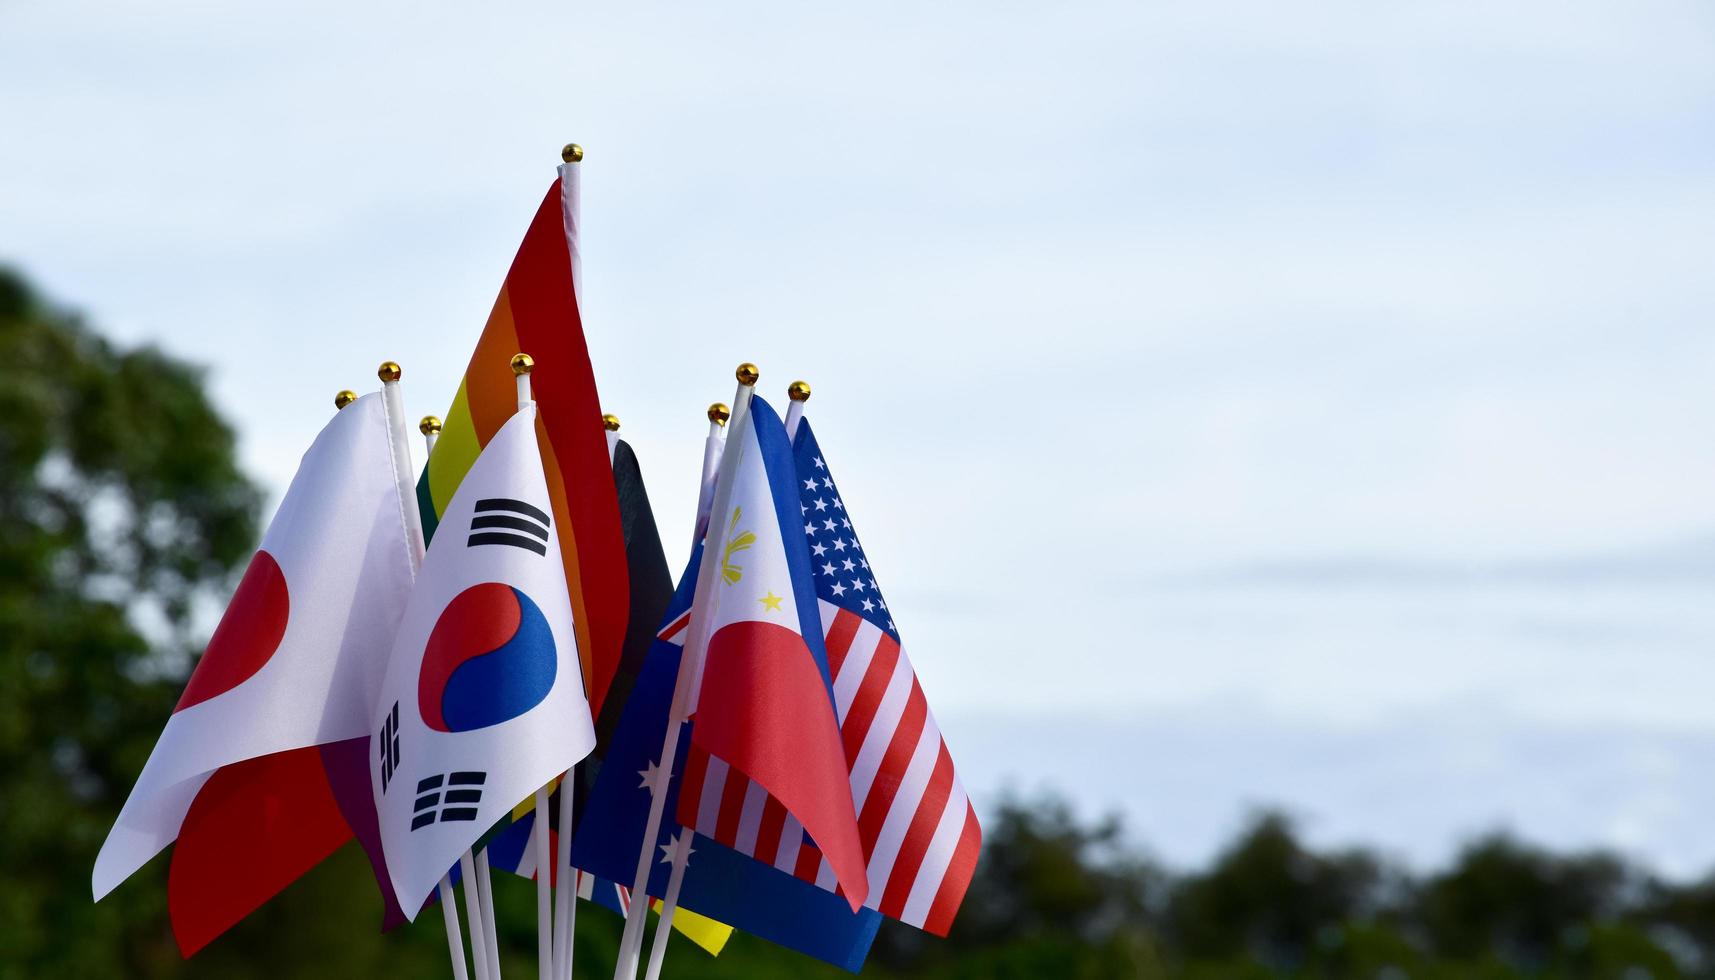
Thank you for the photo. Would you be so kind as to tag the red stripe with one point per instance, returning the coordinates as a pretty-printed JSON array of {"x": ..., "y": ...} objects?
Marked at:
[
  {"x": 917, "y": 836},
  {"x": 675, "y": 627},
  {"x": 892, "y": 769},
  {"x": 691, "y": 783},
  {"x": 868, "y": 698},
  {"x": 809, "y": 862},
  {"x": 549, "y": 325},
  {"x": 732, "y": 808},
  {"x": 839, "y": 639},
  {"x": 958, "y": 877},
  {"x": 768, "y": 831}
]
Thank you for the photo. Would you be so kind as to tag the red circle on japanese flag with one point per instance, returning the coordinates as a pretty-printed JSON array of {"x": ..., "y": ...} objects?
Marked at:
[{"x": 247, "y": 636}]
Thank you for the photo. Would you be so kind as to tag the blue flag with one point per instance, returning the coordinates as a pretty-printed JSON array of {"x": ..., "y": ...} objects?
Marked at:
[{"x": 719, "y": 882}]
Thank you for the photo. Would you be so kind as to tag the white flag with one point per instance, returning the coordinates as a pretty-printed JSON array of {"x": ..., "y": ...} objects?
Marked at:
[
  {"x": 298, "y": 655},
  {"x": 483, "y": 700}
]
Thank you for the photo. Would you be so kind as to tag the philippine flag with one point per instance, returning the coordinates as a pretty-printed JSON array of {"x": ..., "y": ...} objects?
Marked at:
[
  {"x": 760, "y": 692},
  {"x": 483, "y": 700},
  {"x": 295, "y": 662}
]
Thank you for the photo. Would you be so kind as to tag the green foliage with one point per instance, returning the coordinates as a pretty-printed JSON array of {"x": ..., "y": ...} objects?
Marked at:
[
  {"x": 122, "y": 509},
  {"x": 120, "y": 504}
]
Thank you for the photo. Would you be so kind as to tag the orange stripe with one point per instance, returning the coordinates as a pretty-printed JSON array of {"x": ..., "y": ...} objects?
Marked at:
[
  {"x": 489, "y": 385},
  {"x": 569, "y": 558}
]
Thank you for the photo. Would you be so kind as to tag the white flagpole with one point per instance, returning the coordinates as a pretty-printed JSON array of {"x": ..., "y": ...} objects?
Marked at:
[
  {"x": 718, "y": 414},
  {"x": 566, "y": 889},
  {"x": 450, "y": 915},
  {"x": 485, "y": 889},
  {"x": 631, "y": 942},
  {"x": 393, "y": 403},
  {"x": 680, "y": 856},
  {"x": 799, "y": 392},
  {"x": 399, "y": 442},
  {"x": 473, "y": 916},
  {"x": 430, "y": 427},
  {"x": 548, "y": 954},
  {"x": 544, "y": 888}
]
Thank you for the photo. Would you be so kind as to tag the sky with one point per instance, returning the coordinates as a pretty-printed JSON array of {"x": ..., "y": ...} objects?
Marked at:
[{"x": 1244, "y": 404}]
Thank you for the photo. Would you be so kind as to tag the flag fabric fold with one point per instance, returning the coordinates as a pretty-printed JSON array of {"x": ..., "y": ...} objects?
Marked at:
[
  {"x": 483, "y": 699},
  {"x": 236, "y": 776},
  {"x": 719, "y": 882},
  {"x": 916, "y": 824},
  {"x": 762, "y": 697}
]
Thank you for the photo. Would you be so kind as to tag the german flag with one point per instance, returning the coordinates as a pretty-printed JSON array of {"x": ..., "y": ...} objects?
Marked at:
[{"x": 537, "y": 313}]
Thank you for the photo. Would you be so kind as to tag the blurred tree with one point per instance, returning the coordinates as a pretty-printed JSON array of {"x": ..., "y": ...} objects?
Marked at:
[
  {"x": 1269, "y": 901},
  {"x": 1519, "y": 903},
  {"x": 120, "y": 505},
  {"x": 1051, "y": 895}
]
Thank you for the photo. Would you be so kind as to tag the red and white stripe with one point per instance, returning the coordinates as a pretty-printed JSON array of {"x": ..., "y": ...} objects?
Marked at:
[{"x": 918, "y": 828}]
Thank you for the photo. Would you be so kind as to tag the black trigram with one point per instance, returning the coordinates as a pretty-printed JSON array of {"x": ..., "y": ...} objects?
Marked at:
[
  {"x": 514, "y": 522},
  {"x": 454, "y": 796},
  {"x": 389, "y": 746}
]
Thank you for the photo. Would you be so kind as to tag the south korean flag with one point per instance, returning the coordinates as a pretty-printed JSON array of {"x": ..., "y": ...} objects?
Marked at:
[{"x": 483, "y": 700}]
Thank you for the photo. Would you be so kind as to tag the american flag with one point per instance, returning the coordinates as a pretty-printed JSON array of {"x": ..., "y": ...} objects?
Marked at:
[{"x": 919, "y": 831}]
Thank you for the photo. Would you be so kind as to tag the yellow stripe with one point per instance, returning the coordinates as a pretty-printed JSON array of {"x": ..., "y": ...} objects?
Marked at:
[
  {"x": 454, "y": 453},
  {"x": 699, "y": 929}
]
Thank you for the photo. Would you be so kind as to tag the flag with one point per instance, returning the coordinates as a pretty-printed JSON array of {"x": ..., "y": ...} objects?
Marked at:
[
  {"x": 719, "y": 883},
  {"x": 482, "y": 700},
  {"x": 651, "y": 590},
  {"x": 651, "y": 586},
  {"x": 539, "y": 313},
  {"x": 762, "y": 694},
  {"x": 918, "y": 829},
  {"x": 236, "y": 776}
]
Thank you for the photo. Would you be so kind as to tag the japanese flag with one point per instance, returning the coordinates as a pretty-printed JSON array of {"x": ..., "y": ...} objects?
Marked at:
[
  {"x": 483, "y": 700},
  {"x": 298, "y": 655}
]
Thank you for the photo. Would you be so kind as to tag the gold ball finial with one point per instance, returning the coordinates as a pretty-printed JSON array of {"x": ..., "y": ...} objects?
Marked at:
[
  {"x": 718, "y": 413},
  {"x": 429, "y": 426},
  {"x": 389, "y": 371},
  {"x": 572, "y": 153},
  {"x": 344, "y": 398},
  {"x": 747, "y": 374},
  {"x": 522, "y": 364},
  {"x": 610, "y": 422},
  {"x": 798, "y": 391}
]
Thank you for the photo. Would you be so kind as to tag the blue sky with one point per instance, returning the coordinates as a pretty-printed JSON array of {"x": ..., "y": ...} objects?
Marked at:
[{"x": 1243, "y": 403}]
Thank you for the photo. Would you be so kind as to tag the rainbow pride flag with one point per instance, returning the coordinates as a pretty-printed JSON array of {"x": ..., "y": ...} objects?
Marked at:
[{"x": 537, "y": 313}]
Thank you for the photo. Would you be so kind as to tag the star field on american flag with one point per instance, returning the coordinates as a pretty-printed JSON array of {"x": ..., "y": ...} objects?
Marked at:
[{"x": 841, "y": 568}]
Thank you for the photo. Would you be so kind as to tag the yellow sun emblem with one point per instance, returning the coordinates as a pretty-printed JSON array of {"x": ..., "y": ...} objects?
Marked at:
[{"x": 737, "y": 541}]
